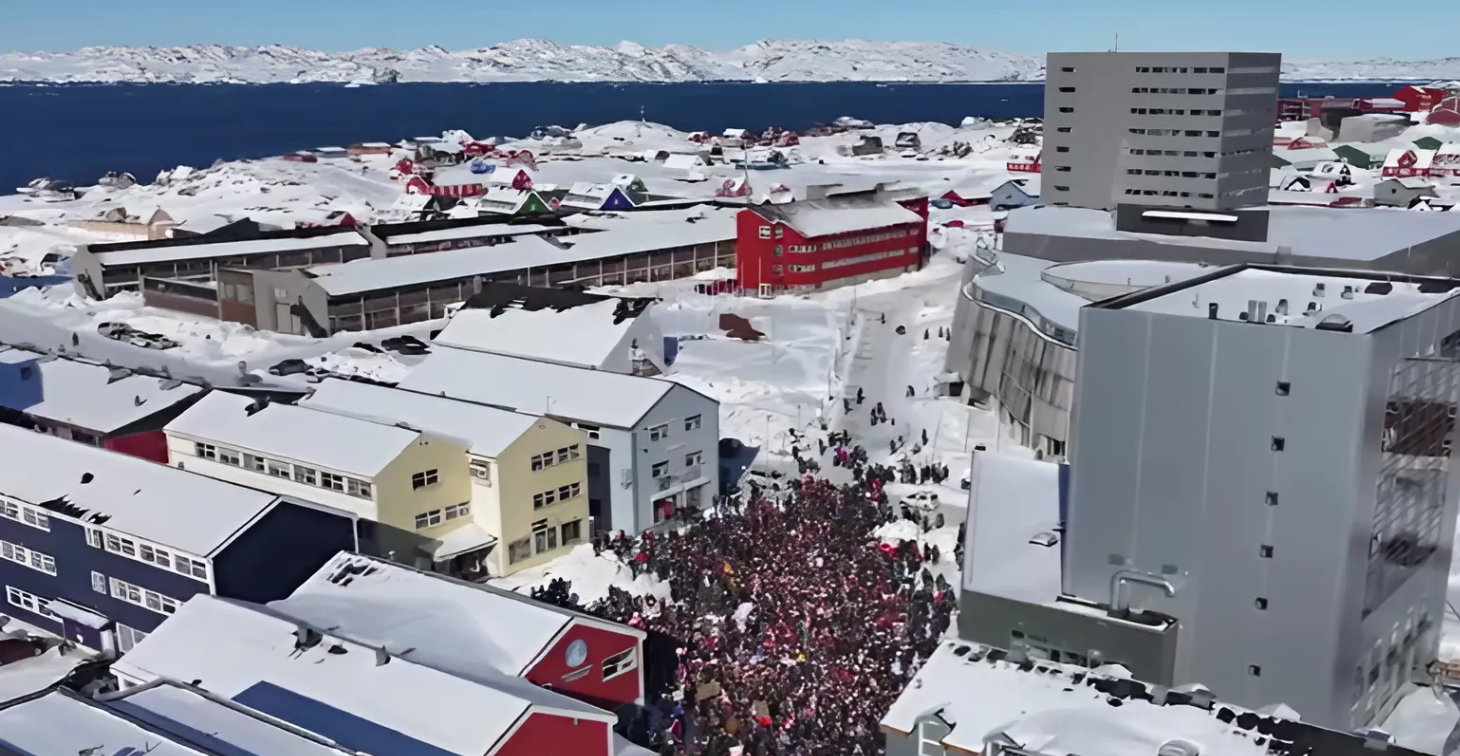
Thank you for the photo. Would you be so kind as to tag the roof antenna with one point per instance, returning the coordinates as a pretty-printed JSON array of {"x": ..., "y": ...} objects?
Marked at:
[{"x": 1116, "y": 48}]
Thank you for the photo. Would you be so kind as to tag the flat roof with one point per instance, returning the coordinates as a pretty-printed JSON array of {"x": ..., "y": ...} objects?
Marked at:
[
  {"x": 1016, "y": 282},
  {"x": 487, "y": 431},
  {"x": 200, "y": 251},
  {"x": 1317, "y": 232},
  {"x": 170, "y": 507},
  {"x": 1012, "y": 500},
  {"x": 585, "y": 335},
  {"x": 338, "y": 688},
  {"x": 89, "y": 395},
  {"x": 1299, "y": 297},
  {"x": 361, "y": 276},
  {"x": 443, "y": 623},
  {"x": 593, "y": 396},
  {"x": 208, "y": 722},
  {"x": 330, "y": 440},
  {"x": 61, "y": 722}
]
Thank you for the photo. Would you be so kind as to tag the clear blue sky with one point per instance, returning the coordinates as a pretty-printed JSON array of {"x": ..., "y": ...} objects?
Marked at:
[{"x": 1339, "y": 29}]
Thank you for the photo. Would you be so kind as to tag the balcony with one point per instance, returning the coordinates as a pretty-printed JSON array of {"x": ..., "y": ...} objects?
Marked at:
[{"x": 690, "y": 474}]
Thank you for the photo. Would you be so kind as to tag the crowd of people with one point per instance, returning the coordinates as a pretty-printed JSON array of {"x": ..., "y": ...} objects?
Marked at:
[{"x": 795, "y": 627}]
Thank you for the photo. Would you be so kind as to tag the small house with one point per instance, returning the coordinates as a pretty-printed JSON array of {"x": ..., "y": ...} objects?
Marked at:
[
  {"x": 1402, "y": 192},
  {"x": 587, "y": 196},
  {"x": 518, "y": 179},
  {"x": 1023, "y": 162},
  {"x": 1428, "y": 143},
  {"x": 1447, "y": 113},
  {"x": 504, "y": 200},
  {"x": 735, "y": 137},
  {"x": 869, "y": 144},
  {"x": 1363, "y": 155},
  {"x": 1372, "y": 127},
  {"x": 331, "y": 153},
  {"x": 908, "y": 140},
  {"x": 630, "y": 183},
  {"x": 1406, "y": 163},
  {"x": 682, "y": 162},
  {"x": 1303, "y": 158},
  {"x": 1015, "y": 193},
  {"x": 1419, "y": 99},
  {"x": 370, "y": 148},
  {"x": 1446, "y": 164}
]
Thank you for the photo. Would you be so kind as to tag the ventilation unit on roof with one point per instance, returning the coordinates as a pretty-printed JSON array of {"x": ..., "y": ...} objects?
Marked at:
[
  {"x": 1282, "y": 307},
  {"x": 1212, "y": 310},
  {"x": 1348, "y": 292},
  {"x": 1311, "y": 309},
  {"x": 1252, "y": 316},
  {"x": 1318, "y": 289},
  {"x": 1379, "y": 287},
  {"x": 1335, "y": 323},
  {"x": 1178, "y": 747}
]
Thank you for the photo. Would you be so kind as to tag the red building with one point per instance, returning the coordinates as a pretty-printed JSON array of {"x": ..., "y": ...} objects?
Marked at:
[
  {"x": 1407, "y": 163},
  {"x": 1023, "y": 163},
  {"x": 1447, "y": 113},
  {"x": 1418, "y": 99},
  {"x": 828, "y": 242}
]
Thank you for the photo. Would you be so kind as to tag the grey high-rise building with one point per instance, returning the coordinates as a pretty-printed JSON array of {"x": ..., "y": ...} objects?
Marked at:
[{"x": 1141, "y": 132}]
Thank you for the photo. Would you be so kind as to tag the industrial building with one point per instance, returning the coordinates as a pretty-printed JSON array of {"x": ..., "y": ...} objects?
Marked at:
[{"x": 1262, "y": 502}]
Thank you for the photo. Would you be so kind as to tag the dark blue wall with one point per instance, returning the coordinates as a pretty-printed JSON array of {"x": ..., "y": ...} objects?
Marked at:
[
  {"x": 75, "y": 561},
  {"x": 20, "y": 385},
  {"x": 8, "y": 285},
  {"x": 1064, "y": 474},
  {"x": 280, "y": 552},
  {"x": 617, "y": 200}
]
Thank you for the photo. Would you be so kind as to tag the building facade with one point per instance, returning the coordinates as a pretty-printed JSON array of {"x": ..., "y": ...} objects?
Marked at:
[
  {"x": 1263, "y": 484},
  {"x": 1159, "y": 130}
]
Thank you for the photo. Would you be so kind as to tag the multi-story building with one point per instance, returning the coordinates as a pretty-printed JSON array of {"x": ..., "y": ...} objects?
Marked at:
[
  {"x": 411, "y": 489},
  {"x": 100, "y": 547},
  {"x": 827, "y": 242},
  {"x": 652, "y": 443},
  {"x": 1260, "y": 494},
  {"x": 1146, "y": 134},
  {"x": 529, "y": 473}
]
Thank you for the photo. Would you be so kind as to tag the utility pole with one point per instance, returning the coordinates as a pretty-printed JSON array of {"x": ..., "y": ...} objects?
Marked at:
[{"x": 1116, "y": 48}]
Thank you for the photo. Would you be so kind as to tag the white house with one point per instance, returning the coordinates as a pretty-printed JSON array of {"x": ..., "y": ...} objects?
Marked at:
[{"x": 652, "y": 443}]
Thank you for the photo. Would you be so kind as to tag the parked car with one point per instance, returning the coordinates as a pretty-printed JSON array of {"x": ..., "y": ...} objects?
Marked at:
[
  {"x": 19, "y": 649},
  {"x": 367, "y": 346},
  {"x": 118, "y": 331},
  {"x": 289, "y": 367},
  {"x": 409, "y": 345},
  {"x": 316, "y": 375},
  {"x": 149, "y": 340}
]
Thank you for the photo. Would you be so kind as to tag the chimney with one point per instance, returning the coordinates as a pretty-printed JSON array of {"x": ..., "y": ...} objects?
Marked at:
[
  {"x": 1212, "y": 310},
  {"x": 1251, "y": 310},
  {"x": 1261, "y": 312}
]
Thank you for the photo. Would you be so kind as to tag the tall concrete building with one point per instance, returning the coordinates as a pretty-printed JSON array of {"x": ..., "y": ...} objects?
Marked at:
[
  {"x": 1146, "y": 134},
  {"x": 1260, "y": 495}
]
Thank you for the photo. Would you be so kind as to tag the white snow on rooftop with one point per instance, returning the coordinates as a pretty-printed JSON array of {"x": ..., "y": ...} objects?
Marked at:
[
  {"x": 593, "y": 396},
  {"x": 360, "y": 276},
  {"x": 329, "y": 440},
  {"x": 171, "y": 507},
  {"x": 463, "y": 232},
  {"x": 447, "y": 624},
  {"x": 228, "y": 249},
  {"x": 1047, "y": 712},
  {"x": 487, "y": 431},
  {"x": 1288, "y": 295},
  {"x": 84, "y": 394},
  {"x": 168, "y": 704},
  {"x": 30, "y": 676},
  {"x": 585, "y": 335},
  {"x": 817, "y": 218},
  {"x": 58, "y": 724},
  {"x": 632, "y": 233},
  {"x": 248, "y": 654},
  {"x": 1316, "y": 232},
  {"x": 1012, "y": 501},
  {"x": 1016, "y": 285}
]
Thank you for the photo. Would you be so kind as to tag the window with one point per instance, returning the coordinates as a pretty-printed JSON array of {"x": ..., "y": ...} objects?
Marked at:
[
  {"x": 1261, "y": 604},
  {"x": 1279, "y": 443},
  {"x": 1062, "y": 129},
  {"x": 29, "y": 515},
  {"x": 155, "y": 556},
  {"x": 545, "y": 540},
  {"x": 694, "y": 458},
  {"x": 778, "y": 250},
  {"x": 779, "y": 232},
  {"x": 135, "y": 594},
  {"x": 278, "y": 469},
  {"x": 254, "y": 463},
  {"x": 1254, "y": 670},
  {"x": 1067, "y": 69},
  {"x": 457, "y": 510},
  {"x": 93, "y": 538},
  {"x": 591, "y": 430},
  {"x": 195, "y": 568},
  {"x": 519, "y": 550},
  {"x": 357, "y": 488},
  {"x": 305, "y": 475},
  {"x": 544, "y": 499},
  {"x": 206, "y": 451},
  {"x": 620, "y": 663},
  {"x": 98, "y": 582},
  {"x": 1271, "y": 498},
  {"x": 659, "y": 470},
  {"x": 33, "y": 559},
  {"x": 777, "y": 270},
  {"x": 1061, "y": 148},
  {"x": 659, "y": 432},
  {"x": 482, "y": 470},
  {"x": 568, "y": 453},
  {"x": 1265, "y": 551},
  {"x": 423, "y": 479},
  {"x": 1283, "y": 388},
  {"x": 692, "y": 423},
  {"x": 571, "y": 491},
  {"x": 29, "y": 602},
  {"x": 1067, "y": 110},
  {"x": 765, "y": 232},
  {"x": 1067, "y": 89},
  {"x": 230, "y": 457},
  {"x": 572, "y": 532},
  {"x": 428, "y": 519},
  {"x": 128, "y": 638},
  {"x": 331, "y": 481}
]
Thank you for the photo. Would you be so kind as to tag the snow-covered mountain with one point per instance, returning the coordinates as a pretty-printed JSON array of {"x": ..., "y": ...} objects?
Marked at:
[{"x": 539, "y": 60}]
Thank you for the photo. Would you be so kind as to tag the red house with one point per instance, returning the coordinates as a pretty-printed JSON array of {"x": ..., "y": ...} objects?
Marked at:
[
  {"x": 824, "y": 243},
  {"x": 1405, "y": 163},
  {"x": 1447, "y": 113},
  {"x": 91, "y": 403},
  {"x": 1023, "y": 163},
  {"x": 1419, "y": 99}
]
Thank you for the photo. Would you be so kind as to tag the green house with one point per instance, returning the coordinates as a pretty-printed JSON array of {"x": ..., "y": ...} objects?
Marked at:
[
  {"x": 1362, "y": 155},
  {"x": 507, "y": 201},
  {"x": 1428, "y": 143}
]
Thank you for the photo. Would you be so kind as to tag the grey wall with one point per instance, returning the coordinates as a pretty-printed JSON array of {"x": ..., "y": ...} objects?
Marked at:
[
  {"x": 1093, "y": 101},
  {"x": 1172, "y": 467},
  {"x": 677, "y": 405}
]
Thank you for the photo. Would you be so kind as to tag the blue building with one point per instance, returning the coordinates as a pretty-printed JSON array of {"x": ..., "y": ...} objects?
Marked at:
[{"x": 101, "y": 547}]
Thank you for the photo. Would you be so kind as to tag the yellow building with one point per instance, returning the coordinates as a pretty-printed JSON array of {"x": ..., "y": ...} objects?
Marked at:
[{"x": 529, "y": 474}]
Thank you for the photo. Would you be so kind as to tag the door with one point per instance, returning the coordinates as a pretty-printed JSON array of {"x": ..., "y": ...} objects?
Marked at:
[
  {"x": 765, "y": 290},
  {"x": 285, "y": 320}
]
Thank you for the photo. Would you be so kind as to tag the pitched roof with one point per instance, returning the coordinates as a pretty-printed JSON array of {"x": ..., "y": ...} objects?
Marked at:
[
  {"x": 167, "y": 506},
  {"x": 487, "y": 431},
  {"x": 828, "y": 217},
  {"x": 338, "y": 688},
  {"x": 61, "y": 722},
  {"x": 332, "y": 441},
  {"x": 585, "y": 335},
  {"x": 592, "y": 396},
  {"x": 88, "y": 395},
  {"x": 163, "y": 251},
  {"x": 447, "y": 624},
  {"x": 361, "y": 276},
  {"x": 195, "y": 717}
]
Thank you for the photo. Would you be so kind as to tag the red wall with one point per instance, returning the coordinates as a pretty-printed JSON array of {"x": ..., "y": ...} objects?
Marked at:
[
  {"x": 1419, "y": 99},
  {"x": 755, "y": 258},
  {"x": 591, "y": 688},
  {"x": 150, "y": 445},
  {"x": 544, "y": 734}
]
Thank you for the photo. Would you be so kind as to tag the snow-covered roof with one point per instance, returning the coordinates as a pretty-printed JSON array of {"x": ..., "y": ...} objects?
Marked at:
[
  {"x": 452, "y": 625},
  {"x": 592, "y": 396},
  {"x": 1029, "y": 185},
  {"x": 171, "y": 707},
  {"x": 87, "y": 395},
  {"x": 169, "y": 253},
  {"x": 167, "y": 506},
  {"x": 61, "y": 722},
  {"x": 586, "y": 335},
  {"x": 1411, "y": 182},
  {"x": 249, "y": 655},
  {"x": 587, "y": 196},
  {"x": 1012, "y": 501},
  {"x": 1290, "y": 292},
  {"x": 681, "y": 162},
  {"x": 487, "y": 431},
  {"x": 1422, "y": 158},
  {"x": 453, "y": 234},
  {"x": 359, "y": 276},
  {"x": 505, "y": 199},
  {"x": 1306, "y": 155},
  {"x": 1055, "y": 709},
  {"x": 1016, "y": 285},
  {"x": 828, "y": 217},
  {"x": 647, "y": 232},
  {"x": 1316, "y": 232},
  {"x": 330, "y": 440}
]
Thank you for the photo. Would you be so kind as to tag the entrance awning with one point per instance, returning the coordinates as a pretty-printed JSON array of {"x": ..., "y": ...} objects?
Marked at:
[
  {"x": 79, "y": 615},
  {"x": 463, "y": 540}
]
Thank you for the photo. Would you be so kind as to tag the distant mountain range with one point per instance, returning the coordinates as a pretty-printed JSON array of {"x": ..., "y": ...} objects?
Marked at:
[{"x": 538, "y": 60}]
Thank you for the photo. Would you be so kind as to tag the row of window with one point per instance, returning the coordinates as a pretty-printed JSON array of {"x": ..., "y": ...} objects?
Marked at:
[
  {"x": 29, "y": 602},
  {"x": 437, "y": 516},
  {"x": 1177, "y": 112},
  {"x": 561, "y": 493},
  {"x": 1168, "y": 193},
  {"x": 1174, "y": 90},
  {"x": 1176, "y": 132},
  {"x": 661, "y": 431},
  {"x": 1211, "y": 154},
  {"x": 425, "y": 478},
  {"x": 795, "y": 249},
  {"x": 544, "y": 538},
  {"x": 661, "y": 469},
  {"x": 1180, "y": 69},
  {"x": 35, "y": 560},
  {"x": 859, "y": 259},
  {"x": 897, "y": 233},
  {"x": 24, "y": 513},
  {"x": 1171, "y": 174},
  {"x": 153, "y": 555},
  {"x": 551, "y": 458},
  {"x": 134, "y": 594},
  {"x": 287, "y": 470}
]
